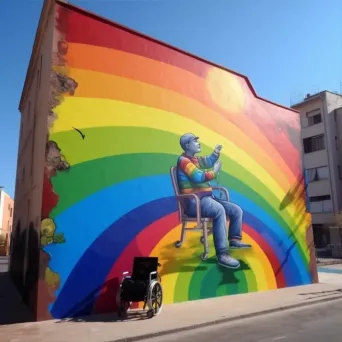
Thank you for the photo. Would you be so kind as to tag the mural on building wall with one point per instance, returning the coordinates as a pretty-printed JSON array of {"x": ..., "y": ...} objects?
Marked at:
[{"x": 116, "y": 135}]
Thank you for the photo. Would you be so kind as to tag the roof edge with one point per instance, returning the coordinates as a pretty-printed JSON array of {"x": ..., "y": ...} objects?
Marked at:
[
  {"x": 315, "y": 97},
  {"x": 6, "y": 194},
  {"x": 127, "y": 29},
  {"x": 44, "y": 15},
  {"x": 312, "y": 98}
]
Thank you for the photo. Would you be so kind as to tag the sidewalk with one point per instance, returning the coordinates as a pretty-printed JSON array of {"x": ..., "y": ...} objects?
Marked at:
[
  {"x": 175, "y": 317},
  {"x": 331, "y": 274}
]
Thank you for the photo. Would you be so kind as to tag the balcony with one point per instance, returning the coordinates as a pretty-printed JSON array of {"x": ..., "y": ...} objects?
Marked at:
[
  {"x": 322, "y": 218},
  {"x": 319, "y": 188},
  {"x": 315, "y": 159},
  {"x": 310, "y": 131}
]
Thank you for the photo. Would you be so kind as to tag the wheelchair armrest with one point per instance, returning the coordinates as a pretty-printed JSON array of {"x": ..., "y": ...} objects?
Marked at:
[
  {"x": 221, "y": 188},
  {"x": 151, "y": 274},
  {"x": 182, "y": 197},
  {"x": 125, "y": 274}
]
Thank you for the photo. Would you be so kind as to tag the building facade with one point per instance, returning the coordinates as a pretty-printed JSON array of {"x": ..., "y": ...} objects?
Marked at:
[
  {"x": 6, "y": 221},
  {"x": 103, "y": 109},
  {"x": 321, "y": 134}
]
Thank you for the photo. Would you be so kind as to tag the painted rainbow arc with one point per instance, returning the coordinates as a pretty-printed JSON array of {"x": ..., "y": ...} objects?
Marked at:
[{"x": 134, "y": 99}]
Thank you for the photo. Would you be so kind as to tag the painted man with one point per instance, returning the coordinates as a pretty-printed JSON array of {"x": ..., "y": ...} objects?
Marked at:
[{"x": 194, "y": 177}]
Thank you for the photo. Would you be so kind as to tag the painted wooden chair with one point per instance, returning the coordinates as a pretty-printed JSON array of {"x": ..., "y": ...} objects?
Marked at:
[{"x": 204, "y": 224}]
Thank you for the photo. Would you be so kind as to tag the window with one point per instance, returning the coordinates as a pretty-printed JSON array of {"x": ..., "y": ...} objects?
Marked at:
[
  {"x": 336, "y": 143},
  {"x": 314, "y": 119},
  {"x": 38, "y": 78},
  {"x": 321, "y": 235},
  {"x": 321, "y": 204},
  {"x": 21, "y": 126},
  {"x": 23, "y": 175},
  {"x": 40, "y": 71},
  {"x": 11, "y": 212},
  {"x": 313, "y": 144},
  {"x": 28, "y": 211},
  {"x": 317, "y": 173},
  {"x": 29, "y": 112},
  {"x": 33, "y": 144},
  {"x": 339, "y": 172}
]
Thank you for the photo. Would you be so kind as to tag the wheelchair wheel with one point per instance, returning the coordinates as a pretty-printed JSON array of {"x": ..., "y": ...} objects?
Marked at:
[
  {"x": 155, "y": 299},
  {"x": 204, "y": 256},
  {"x": 123, "y": 309},
  {"x": 178, "y": 244},
  {"x": 122, "y": 306}
]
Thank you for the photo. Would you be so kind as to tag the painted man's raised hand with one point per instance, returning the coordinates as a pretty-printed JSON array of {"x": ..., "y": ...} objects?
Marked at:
[{"x": 218, "y": 149}]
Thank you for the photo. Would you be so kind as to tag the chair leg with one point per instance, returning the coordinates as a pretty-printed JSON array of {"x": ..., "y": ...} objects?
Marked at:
[
  {"x": 180, "y": 242},
  {"x": 183, "y": 232},
  {"x": 204, "y": 255}
]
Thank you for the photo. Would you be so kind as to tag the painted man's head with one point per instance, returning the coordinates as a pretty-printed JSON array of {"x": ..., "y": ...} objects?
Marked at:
[{"x": 190, "y": 144}]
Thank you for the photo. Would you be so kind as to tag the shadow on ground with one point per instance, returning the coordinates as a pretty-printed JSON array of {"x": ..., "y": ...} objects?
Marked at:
[
  {"x": 227, "y": 277},
  {"x": 132, "y": 315}
]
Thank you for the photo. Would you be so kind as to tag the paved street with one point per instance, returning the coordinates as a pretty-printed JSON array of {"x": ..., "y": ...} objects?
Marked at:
[{"x": 313, "y": 324}]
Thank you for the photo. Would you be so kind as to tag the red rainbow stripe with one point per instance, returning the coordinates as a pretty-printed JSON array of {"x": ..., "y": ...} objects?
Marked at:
[{"x": 277, "y": 270}]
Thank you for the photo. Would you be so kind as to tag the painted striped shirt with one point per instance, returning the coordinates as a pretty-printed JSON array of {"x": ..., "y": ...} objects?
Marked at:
[{"x": 193, "y": 173}]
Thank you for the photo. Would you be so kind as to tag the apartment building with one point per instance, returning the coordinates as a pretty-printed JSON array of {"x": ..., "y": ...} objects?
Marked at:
[
  {"x": 321, "y": 133},
  {"x": 6, "y": 221}
]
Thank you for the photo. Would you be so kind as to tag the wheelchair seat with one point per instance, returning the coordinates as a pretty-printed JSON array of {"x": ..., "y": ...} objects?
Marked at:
[{"x": 133, "y": 290}]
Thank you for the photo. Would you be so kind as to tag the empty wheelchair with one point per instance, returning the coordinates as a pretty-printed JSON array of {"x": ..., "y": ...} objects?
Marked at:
[{"x": 143, "y": 285}]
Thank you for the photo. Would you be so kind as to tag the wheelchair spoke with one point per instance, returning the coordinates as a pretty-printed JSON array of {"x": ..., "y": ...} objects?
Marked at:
[{"x": 156, "y": 298}]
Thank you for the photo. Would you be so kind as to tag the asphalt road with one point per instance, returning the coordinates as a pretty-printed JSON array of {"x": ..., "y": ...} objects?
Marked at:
[{"x": 316, "y": 323}]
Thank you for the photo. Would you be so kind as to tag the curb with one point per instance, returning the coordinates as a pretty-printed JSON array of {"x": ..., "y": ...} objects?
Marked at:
[
  {"x": 328, "y": 263},
  {"x": 225, "y": 320}
]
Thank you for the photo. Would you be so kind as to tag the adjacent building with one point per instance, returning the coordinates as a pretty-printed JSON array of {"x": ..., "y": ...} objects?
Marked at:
[
  {"x": 6, "y": 221},
  {"x": 321, "y": 134}
]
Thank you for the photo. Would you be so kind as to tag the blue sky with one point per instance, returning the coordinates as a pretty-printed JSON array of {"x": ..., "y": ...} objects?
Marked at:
[{"x": 287, "y": 48}]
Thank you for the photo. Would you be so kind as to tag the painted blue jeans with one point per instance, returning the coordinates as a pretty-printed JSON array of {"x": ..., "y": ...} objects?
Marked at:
[{"x": 219, "y": 210}]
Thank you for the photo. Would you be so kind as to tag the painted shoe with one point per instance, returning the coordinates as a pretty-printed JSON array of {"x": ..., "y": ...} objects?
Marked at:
[
  {"x": 238, "y": 245},
  {"x": 227, "y": 261}
]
